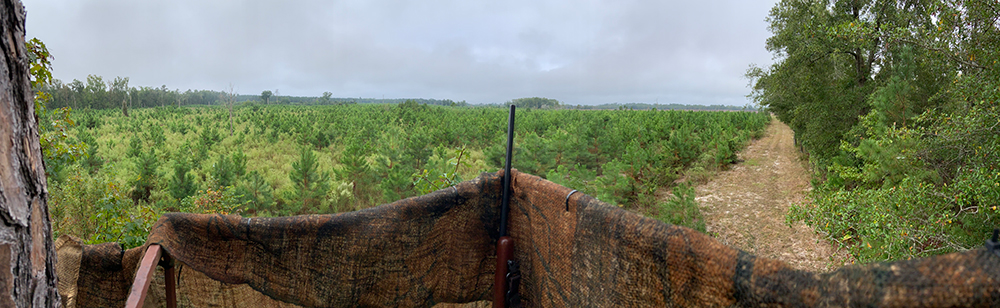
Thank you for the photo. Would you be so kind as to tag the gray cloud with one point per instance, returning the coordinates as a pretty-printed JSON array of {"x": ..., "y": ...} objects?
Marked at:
[{"x": 580, "y": 52}]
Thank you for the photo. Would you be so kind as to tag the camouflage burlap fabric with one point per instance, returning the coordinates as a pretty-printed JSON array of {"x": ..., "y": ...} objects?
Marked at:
[
  {"x": 101, "y": 276},
  {"x": 439, "y": 248}
]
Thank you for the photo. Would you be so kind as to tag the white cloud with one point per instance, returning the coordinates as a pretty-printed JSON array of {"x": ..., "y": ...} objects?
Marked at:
[{"x": 580, "y": 52}]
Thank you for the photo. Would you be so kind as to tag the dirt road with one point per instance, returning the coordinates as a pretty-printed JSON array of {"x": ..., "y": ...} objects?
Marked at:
[{"x": 745, "y": 206}]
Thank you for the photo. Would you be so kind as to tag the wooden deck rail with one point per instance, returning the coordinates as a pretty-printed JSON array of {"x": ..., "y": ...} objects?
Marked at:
[{"x": 154, "y": 255}]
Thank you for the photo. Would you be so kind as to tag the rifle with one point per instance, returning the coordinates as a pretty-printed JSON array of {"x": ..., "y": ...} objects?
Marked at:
[{"x": 507, "y": 277}]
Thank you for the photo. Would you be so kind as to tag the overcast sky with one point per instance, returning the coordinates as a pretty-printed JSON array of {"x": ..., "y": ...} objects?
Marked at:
[{"x": 578, "y": 51}]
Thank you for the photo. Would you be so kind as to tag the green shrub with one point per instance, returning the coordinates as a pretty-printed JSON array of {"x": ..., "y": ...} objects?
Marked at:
[
  {"x": 135, "y": 147},
  {"x": 146, "y": 178},
  {"x": 911, "y": 219},
  {"x": 257, "y": 193},
  {"x": 681, "y": 209},
  {"x": 98, "y": 211},
  {"x": 222, "y": 200},
  {"x": 119, "y": 220},
  {"x": 310, "y": 184},
  {"x": 182, "y": 184},
  {"x": 223, "y": 171},
  {"x": 438, "y": 173}
]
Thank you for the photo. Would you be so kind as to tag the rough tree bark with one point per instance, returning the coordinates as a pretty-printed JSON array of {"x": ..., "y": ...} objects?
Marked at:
[{"x": 27, "y": 255}]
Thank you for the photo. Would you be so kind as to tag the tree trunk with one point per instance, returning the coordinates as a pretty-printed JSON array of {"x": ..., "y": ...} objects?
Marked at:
[
  {"x": 27, "y": 256},
  {"x": 230, "y": 119}
]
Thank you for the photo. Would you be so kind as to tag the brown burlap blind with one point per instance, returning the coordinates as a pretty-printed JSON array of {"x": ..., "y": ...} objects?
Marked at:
[{"x": 439, "y": 248}]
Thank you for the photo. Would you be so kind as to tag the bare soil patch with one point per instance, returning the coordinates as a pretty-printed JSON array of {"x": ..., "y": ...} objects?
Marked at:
[{"x": 745, "y": 206}]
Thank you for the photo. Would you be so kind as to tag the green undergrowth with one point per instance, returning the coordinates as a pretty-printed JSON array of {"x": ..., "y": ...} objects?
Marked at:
[
  {"x": 895, "y": 104},
  {"x": 899, "y": 202}
]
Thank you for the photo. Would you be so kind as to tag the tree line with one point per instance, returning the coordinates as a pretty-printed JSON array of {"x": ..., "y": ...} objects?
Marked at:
[
  {"x": 895, "y": 103},
  {"x": 96, "y": 92}
]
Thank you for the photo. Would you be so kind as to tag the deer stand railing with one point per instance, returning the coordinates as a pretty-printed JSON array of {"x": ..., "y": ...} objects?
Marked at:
[{"x": 144, "y": 275}]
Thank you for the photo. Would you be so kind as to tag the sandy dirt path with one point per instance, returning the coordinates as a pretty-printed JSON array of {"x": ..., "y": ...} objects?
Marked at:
[{"x": 745, "y": 206}]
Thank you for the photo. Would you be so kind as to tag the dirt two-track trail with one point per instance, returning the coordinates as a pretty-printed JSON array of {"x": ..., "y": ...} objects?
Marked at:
[{"x": 745, "y": 206}]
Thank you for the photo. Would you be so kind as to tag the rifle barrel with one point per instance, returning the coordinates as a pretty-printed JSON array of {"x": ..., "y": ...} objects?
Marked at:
[{"x": 505, "y": 202}]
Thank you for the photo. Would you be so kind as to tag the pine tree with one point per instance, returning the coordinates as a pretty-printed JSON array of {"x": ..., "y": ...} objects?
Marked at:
[
  {"x": 310, "y": 184},
  {"x": 145, "y": 180},
  {"x": 223, "y": 172},
  {"x": 182, "y": 184},
  {"x": 257, "y": 193}
]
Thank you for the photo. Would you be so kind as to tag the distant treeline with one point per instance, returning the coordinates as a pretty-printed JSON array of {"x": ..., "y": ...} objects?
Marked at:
[
  {"x": 312, "y": 100},
  {"x": 646, "y": 106},
  {"x": 98, "y": 93},
  {"x": 547, "y": 103}
]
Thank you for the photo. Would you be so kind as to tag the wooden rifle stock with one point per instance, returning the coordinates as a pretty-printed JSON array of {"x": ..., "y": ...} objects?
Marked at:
[{"x": 505, "y": 252}]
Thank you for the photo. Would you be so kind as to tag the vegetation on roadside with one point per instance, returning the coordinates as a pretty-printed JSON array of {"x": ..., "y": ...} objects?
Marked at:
[{"x": 895, "y": 104}]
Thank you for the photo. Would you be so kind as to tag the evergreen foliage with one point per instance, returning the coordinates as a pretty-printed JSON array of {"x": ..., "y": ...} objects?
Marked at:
[
  {"x": 256, "y": 192},
  {"x": 277, "y": 164},
  {"x": 310, "y": 184},
  {"x": 146, "y": 177},
  {"x": 182, "y": 184},
  {"x": 223, "y": 172},
  {"x": 895, "y": 103}
]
